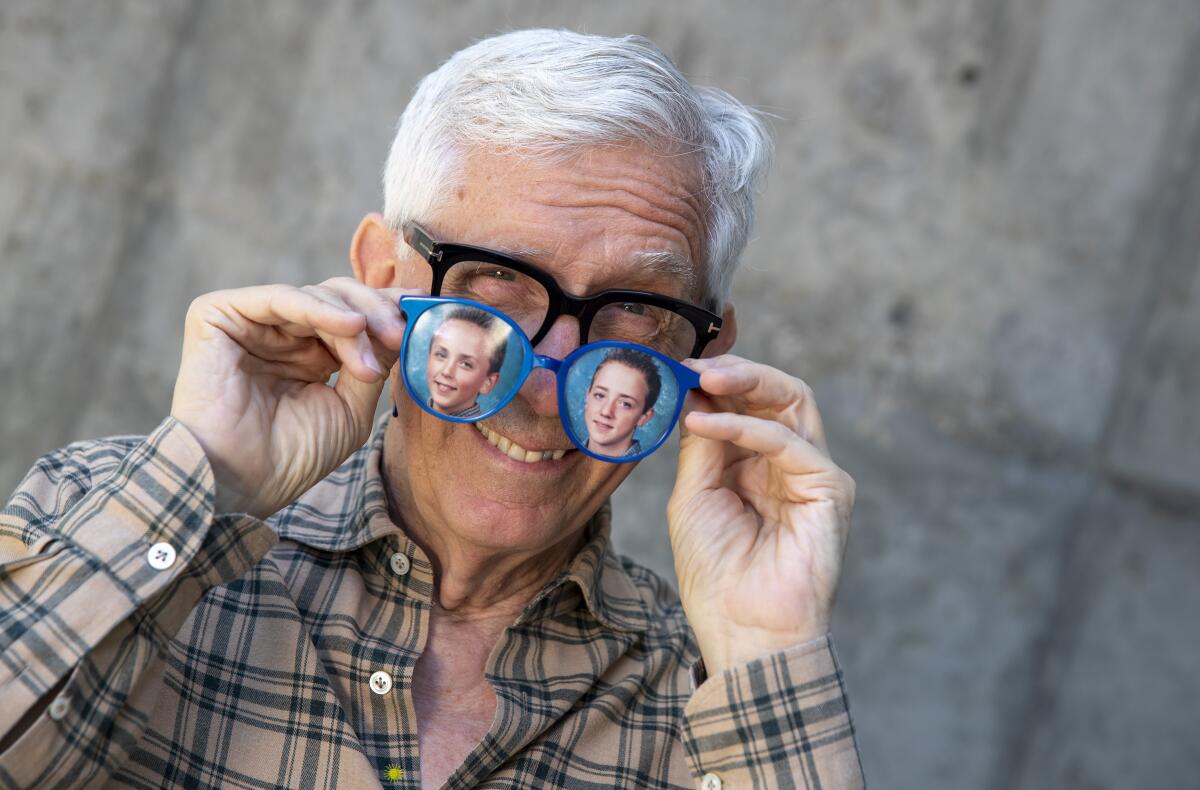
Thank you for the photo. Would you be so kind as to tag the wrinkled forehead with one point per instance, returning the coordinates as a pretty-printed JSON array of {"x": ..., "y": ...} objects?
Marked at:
[{"x": 605, "y": 216}]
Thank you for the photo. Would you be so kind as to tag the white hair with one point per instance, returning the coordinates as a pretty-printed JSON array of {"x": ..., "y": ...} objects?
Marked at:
[{"x": 549, "y": 93}]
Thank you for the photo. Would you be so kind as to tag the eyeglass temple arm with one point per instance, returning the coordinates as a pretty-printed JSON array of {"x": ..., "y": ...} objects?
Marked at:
[{"x": 421, "y": 241}]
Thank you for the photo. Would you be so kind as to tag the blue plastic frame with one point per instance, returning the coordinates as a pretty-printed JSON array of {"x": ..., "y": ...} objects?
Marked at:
[{"x": 413, "y": 306}]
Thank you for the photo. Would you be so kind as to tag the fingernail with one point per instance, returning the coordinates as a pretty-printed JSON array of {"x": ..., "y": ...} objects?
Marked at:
[{"x": 370, "y": 361}]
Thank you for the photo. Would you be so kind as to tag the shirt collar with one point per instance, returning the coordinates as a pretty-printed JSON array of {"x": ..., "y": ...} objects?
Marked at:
[
  {"x": 348, "y": 510},
  {"x": 345, "y": 511},
  {"x": 602, "y": 581}
]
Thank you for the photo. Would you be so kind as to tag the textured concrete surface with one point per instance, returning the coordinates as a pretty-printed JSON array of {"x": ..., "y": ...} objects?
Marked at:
[{"x": 980, "y": 243}]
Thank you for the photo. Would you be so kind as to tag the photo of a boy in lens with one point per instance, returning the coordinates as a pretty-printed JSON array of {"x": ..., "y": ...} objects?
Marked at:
[
  {"x": 620, "y": 400},
  {"x": 465, "y": 357}
]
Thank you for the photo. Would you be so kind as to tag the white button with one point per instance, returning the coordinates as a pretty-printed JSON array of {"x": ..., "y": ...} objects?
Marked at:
[
  {"x": 710, "y": 781},
  {"x": 400, "y": 563},
  {"x": 59, "y": 708},
  {"x": 381, "y": 682},
  {"x": 161, "y": 556}
]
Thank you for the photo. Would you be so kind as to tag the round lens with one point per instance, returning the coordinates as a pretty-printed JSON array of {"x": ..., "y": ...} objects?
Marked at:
[
  {"x": 517, "y": 295},
  {"x": 664, "y": 331},
  {"x": 619, "y": 402},
  {"x": 462, "y": 362}
]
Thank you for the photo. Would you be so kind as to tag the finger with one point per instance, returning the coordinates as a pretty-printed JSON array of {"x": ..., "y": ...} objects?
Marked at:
[
  {"x": 292, "y": 313},
  {"x": 361, "y": 395},
  {"x": 772, "y": 440},
  {"x": 360, "y": 354},
  {"x": 361, "y": 376},
  {"x": 702, "y": 460},
  {"x": 741, "y": 385},
  {"x": 284, "y": 306},
  {"x": 303, "y": 359},
  {"x": 382, "y": 311}
]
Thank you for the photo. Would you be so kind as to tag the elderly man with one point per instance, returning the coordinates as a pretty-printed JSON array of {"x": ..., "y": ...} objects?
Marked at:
[{"x": 245, "y": 598}]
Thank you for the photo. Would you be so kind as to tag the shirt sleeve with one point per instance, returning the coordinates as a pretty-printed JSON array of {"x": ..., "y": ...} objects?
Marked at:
[
  {"x": 105, "y": 549},
  {"x": 778, "y": 721}
]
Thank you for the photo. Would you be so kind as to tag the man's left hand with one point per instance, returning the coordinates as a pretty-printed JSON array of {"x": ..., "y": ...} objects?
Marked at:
[{"x": 759, "y": 515}]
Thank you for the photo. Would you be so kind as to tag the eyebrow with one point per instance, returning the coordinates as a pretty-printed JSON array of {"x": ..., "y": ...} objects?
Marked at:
[
  {"x": 619, "y": 393},
  {"x": 441, "y": 345},
  {"x": 669, "y": 263},
  {"x": 524, "y": 253}
]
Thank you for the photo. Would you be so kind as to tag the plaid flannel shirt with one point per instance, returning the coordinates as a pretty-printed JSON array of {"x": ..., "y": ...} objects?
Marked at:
[{"x": 146, "y": 641}]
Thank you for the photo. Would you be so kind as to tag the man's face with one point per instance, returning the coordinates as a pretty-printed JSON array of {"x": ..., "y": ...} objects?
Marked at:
[
  {"x": 457, "y": 368},
  {"x": 616, "y": 407},
  {"x": 585, "y": 221}
]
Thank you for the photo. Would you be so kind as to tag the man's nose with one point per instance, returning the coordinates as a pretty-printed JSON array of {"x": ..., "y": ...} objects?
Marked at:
[
  {"x": 606, "y": 408},
  {"x": 540, "y": 390}
]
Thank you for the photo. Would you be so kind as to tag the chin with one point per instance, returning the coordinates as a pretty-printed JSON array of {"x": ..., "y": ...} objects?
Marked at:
[
  {"x": 466, "y": 486},
  {"x": 484, "y": 521}
]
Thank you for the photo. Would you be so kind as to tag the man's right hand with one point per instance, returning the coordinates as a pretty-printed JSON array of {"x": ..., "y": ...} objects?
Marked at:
[{"x": 253, "y": 389}]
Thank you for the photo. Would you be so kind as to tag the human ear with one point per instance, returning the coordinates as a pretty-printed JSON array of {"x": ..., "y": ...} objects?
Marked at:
[
  {"x": 645, "y": 418},
  {"x": 489, "y": 383},
  {"x": 728, "y": 335},
  {"x": 373, "y": 253}
]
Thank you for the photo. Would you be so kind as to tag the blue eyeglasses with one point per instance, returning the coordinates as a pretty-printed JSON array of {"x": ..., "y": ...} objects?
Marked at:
[{"x": 464, "y": 361}]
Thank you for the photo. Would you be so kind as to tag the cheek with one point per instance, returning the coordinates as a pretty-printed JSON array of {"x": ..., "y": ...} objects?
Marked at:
[{"x": 415, "y": 275}]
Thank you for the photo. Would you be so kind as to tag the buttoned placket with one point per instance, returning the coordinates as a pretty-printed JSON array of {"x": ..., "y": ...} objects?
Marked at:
[{"x": 386, "y": 657}]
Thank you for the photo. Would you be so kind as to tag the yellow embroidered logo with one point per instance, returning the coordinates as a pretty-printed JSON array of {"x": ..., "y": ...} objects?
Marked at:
[{"x": 393, "y": 773}]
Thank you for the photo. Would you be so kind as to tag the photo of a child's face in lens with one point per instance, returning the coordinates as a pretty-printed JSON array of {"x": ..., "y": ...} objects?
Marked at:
[
  {"x": 620, "y": 399},
  {"x": 466, "y": 352}
]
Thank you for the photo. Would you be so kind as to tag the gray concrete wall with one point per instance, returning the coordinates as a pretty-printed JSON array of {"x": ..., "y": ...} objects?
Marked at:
[{"x": 980, "y": 244}]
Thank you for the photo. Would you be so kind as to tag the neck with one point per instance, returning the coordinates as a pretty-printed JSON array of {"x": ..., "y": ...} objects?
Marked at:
[{"x": 476, "y": 583}]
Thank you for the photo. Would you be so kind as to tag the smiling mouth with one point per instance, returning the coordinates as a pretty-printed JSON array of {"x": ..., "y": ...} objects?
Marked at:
[
  {"x": 516, "y": 451},
  {"x": 602, "y": 426}
]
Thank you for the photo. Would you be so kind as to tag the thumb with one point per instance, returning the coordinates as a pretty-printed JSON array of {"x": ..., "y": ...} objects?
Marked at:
[
  {"x": 361, "y": 397},
  {"x": 701, "y": 460}
]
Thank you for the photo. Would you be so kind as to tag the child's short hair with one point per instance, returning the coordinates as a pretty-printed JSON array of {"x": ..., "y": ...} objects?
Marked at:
[
  {"x": 495, "y": 329},
  {"x": 639, "y": 361}
]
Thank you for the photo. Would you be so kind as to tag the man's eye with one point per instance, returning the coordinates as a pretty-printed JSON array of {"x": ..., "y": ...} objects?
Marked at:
[
  {"x": 633, "y": 307},
  {"x": 468, "y": 365},
  {"x": 500, "y": 274}
]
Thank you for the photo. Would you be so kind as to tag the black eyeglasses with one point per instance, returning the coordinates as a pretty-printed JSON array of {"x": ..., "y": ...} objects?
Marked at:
[{"x": 534, "y": 299}]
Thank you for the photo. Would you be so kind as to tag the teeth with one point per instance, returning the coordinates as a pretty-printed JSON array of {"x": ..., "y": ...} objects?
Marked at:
[{"x": 516, "y": 451}]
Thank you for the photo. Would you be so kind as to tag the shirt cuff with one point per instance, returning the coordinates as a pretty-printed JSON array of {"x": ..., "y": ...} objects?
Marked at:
[
  {"x": 779, "y": 720},
  {"x": 162, "y": 493}
]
